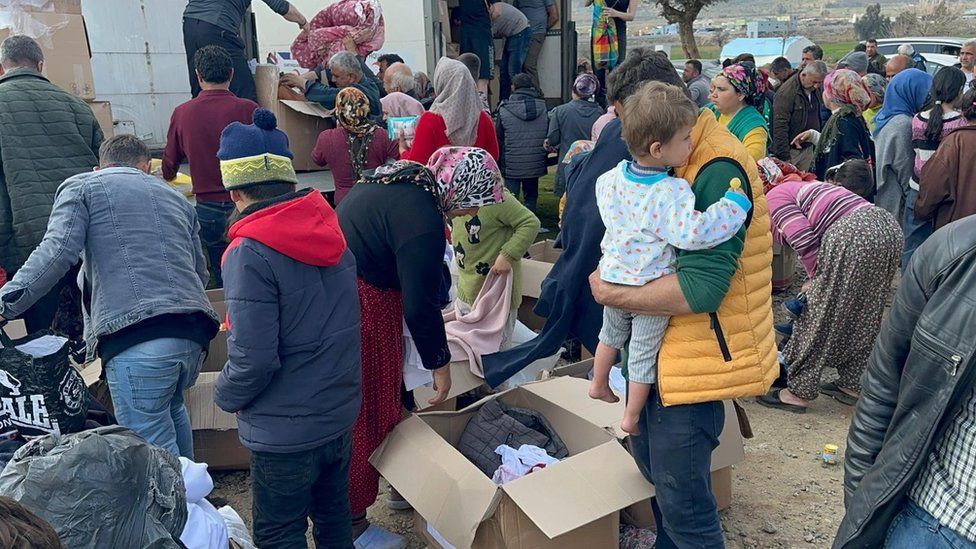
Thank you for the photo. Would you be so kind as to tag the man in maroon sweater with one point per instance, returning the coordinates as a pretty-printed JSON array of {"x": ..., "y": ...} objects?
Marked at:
[{"x": 194, "y": 135}]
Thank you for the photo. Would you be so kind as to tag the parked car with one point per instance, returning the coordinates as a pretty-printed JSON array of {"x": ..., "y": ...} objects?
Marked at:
[{"x": 940, "y": 45}]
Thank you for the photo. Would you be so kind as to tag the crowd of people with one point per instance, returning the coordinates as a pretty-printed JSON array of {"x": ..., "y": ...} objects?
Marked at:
[{"x": 673, "y": 189}]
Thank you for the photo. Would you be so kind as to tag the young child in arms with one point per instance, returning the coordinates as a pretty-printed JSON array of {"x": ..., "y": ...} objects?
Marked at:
[{"x": 648, "y": 214}]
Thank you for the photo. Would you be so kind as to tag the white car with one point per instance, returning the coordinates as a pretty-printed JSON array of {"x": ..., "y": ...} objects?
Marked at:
[{"x": 938, "y": 51}]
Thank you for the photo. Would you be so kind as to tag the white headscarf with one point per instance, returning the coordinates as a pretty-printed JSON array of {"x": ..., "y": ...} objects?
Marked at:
[{"x": 457, "y": 101}]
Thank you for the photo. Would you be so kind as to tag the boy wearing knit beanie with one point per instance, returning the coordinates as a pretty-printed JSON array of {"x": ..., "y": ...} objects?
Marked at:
[{"x": 293, "y": 371}]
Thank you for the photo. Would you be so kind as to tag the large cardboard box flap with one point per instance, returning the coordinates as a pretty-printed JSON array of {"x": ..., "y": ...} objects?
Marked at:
[
  {"x": 302, "y": 121},
  {"x": 462, "y": 381},
  {"x": 204, "y": 413},
  {"x": 64, "y": 41},
  {"x": 562, "y": 390},
  {"x": 438, "y": 481},
  {"x": 597, "y": 479},
  {"x": 535, "y": 269}
]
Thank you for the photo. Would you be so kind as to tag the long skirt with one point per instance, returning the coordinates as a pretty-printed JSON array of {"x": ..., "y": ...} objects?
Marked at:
[
  {"x": 857, "y": 260},
  {"x": 382, "y": 357}
]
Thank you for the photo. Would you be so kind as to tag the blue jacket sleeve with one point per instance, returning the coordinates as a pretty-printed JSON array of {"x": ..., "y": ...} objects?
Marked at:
[
  {"x": 320, "y": 93},
  {"x": 251, "y": 293},
  {"x": 59, "y": 250}
]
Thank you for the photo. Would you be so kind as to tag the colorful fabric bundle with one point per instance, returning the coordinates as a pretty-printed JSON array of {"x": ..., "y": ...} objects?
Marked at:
[
  {"x": 605, "y": 46},
  {"x": 361, "y": 19}
]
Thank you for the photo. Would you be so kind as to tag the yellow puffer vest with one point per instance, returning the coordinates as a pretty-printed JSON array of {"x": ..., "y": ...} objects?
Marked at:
[{"x": 731, "y": 354}]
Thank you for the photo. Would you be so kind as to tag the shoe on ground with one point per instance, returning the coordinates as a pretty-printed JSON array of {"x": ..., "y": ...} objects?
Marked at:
[
  {"x": 785, "y": 330},
  {"x": 793, "y": 307},
  {"x": 376, "y": 537},
  {"x": 396, "y": 501}
]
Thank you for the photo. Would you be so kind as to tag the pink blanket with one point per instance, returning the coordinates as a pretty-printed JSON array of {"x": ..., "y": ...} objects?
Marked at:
[
  {"x": 362, "y": 19},
  {"x": 480, "y": 331}
]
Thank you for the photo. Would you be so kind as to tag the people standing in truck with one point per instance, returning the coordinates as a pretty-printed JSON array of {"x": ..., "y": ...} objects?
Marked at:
[
  {"x": 609, "y": 36},
  {"x": 476, "y": 37},
  {"x": 542, "y": 16},
  {"x": 511, "y": 24},
  {"x": 218, "y": 22}
]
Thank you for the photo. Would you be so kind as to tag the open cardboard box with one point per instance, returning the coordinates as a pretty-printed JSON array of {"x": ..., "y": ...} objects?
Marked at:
[
  {"x": 462, "y": 381},
  {"x": 575, "y": 502},
  {"x": 215, "y": 440},
  {"x": 535, "y": 269},
  {"x": 103, "y": 114},
  {"x": 64, "y": 41},
  {"x": 302, "y": 121},
  {"x": 729, "y": 452}
]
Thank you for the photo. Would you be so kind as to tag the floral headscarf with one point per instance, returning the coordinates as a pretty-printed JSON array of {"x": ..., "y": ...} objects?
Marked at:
[
  {"x": 586, "y": 85},
  {"x": 875, "y": 84},
  {"x": 465, "y": 177},
  {"x": 749, "y": 81},
  {"x": 845, "y": 87},
  {"x": 847, "y": 91},
  {"x": 578, "y": 147},
  {"x": 352, "y": 114},
  {"x": 401, "y": 171},
  {"x": 352, "y": 111}
]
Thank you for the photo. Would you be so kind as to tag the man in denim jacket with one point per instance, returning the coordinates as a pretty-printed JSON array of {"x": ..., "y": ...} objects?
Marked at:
[{"x": 146, "y": 313}]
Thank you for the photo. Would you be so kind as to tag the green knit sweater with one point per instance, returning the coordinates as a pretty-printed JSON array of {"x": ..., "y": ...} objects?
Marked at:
[{"x": 508, "y": 228}]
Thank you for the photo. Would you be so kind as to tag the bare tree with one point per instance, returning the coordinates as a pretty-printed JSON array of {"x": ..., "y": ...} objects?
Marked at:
[
  {"x": 930, "y": 19},
  {"x": 684, "y": 13}
]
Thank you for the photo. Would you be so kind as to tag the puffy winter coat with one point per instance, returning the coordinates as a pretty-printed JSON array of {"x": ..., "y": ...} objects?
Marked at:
[
  {"x": 522, "y": 128},
  {"x": 293, "y": 374},
  {"x": 730, "y": 353},
  {"x": 46, "y": 136}
]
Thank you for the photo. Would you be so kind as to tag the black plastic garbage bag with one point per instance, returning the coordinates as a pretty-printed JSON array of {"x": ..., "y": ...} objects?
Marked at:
[
  {"x": 101, "y": 488},
  {"x": 40, "y": 395}
]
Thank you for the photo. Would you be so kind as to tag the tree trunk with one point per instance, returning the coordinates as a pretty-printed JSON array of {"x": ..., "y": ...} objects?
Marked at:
[{"x": 686, "y": 31}]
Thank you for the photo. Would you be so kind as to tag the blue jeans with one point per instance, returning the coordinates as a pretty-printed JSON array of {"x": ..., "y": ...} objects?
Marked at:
[
  {"x": 147, "y": 383},
  {"x": 288, "y": 489},
  {"x": 527, "y": 189},
  {"x": 213, "y": 228},
  {"x": 513, "y": 60},
  {"x": 915, "y": 528},
  {"x": 674, "y": 452},
  {"x": 915, "y": 231}
]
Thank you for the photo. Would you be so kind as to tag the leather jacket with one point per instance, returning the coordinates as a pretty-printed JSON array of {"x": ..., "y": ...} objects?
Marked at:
[{"x": 919, "y": 376}]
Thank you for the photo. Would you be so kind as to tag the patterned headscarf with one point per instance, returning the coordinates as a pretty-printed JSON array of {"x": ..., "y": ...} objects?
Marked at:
[
  {"x": 749, "y": 81},
  {"x": 876, "y": 84},
  {"x": 465, "y": 177},
  {"x": 457, "y": 101},
  {"x": 352, "y": 113},
  {"x": 847, "y": 92},
  {"x": 586, "y": 85}
]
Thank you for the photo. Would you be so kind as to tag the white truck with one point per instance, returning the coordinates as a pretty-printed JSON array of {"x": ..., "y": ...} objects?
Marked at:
[{"x": 139, "y": 63}]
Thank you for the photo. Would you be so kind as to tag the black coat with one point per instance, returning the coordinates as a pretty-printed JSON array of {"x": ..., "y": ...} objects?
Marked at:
[
  {"x": 918, "y": 378},
  {"x": 522, "y": 126}
]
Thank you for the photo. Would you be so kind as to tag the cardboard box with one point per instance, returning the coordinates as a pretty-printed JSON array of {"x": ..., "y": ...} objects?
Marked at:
[
  {"x": 784, "y": 266},
  {"x": 64, "y": 41},
  {"x": 103, "y": 113},
  {"x": 462, "y": 381},
  {"x": 217, "y": 352},
  {"x": 72, "y": 7},
  {"x": 573, "y": 503},
  {"x": 215, "y": 440},
  {"x": 730, "y": 451},
  {"x": 535, "y": 269},
  {"x": 301, "y": 120}
]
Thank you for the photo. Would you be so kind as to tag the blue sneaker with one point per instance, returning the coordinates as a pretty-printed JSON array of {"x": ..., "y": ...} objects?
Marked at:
[
  {"x": 794, "y": 307},
  {"x": 785, "y": 330}
]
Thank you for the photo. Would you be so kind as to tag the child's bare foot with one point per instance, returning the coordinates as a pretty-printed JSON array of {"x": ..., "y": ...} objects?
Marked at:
[
  {"x": 603, "y": 392},
  {"x": 630, "y": 425}
]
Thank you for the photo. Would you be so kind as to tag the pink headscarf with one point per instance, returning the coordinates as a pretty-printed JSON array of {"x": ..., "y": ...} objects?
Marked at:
[
  {"x": 465, "y": 177},
  {"x": 401, "y": 104}
]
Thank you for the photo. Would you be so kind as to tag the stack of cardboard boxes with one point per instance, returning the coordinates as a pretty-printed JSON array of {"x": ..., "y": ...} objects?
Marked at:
[{"x": 59, "y": 28}]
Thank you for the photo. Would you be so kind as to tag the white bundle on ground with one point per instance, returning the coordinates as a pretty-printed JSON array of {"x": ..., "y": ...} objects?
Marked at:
[{"x": 205, "y": 527}]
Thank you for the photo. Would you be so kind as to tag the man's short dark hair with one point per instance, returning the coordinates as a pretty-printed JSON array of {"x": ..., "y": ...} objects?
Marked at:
[
  {"x": 20, "y": 51},
  {"x": 389, "y": 59},
  {"x": 861, "y": 48},
  {"x": 780, "y": 64},
  {"x": 743, "y": 58},
  {"x": 473, "y": 63},
  {"x": 21, "y": 528},
  {"x": 695, "y": 64},
  {"x": 871, "y": 41},
  {"x": 814, "y": 49},
  {"x": 123, "y": 150},
  {"x": 641, "y": 65},
  {"x": 522, "y": 81},
  {"x": 267, "y": 190},
  {"x": 214, "y": 64}
]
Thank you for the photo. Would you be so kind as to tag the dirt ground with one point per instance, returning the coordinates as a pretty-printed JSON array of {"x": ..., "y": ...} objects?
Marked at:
[{"x": 782, "y": 496}]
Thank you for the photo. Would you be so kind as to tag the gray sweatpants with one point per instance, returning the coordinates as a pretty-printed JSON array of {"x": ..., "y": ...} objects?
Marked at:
[{"x": 644, "y": 333}]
